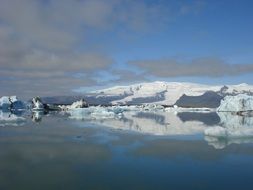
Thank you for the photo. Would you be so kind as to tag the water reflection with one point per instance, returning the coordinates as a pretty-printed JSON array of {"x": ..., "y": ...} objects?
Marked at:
[
  {"x": 161, "y": 124},
  {"x": 11, "y": 119},
  {"x": 223, "y": 142},
  {"x": 59, "y": 154},
  {"x": 220, "y": 129},
  {"x": 37, "y": 116}
]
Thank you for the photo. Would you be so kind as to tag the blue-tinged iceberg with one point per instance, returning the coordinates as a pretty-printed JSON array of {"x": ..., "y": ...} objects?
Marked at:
[
  {"x": 238, "y": 103},
  {"x": 11, "y": 103}
]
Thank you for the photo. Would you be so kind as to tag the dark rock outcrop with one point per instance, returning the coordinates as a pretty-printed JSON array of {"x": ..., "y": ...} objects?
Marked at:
[{"x": 209, "y": 99}]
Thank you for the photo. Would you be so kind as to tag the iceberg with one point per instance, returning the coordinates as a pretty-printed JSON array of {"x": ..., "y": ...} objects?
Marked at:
[
  {"x": 152, "y": 107},
  {"x": 95, "y": 112},
  {"x": 238, "y": 103},
  {"x": 11, "y": 103},
  {"x": 37, "y": 104},
  {"x": 78, "y": 104}
]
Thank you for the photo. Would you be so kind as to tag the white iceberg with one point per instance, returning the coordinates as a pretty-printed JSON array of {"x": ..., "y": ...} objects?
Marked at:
[
  {"x": 37, "y": 104},
  {"x": 78, "y": 104},
  {"x": 11, "y": 103},
  {"x": 152, "y": 107},
  {"x": 238, "y": 103},
  {"x": 95, "y": 112}
]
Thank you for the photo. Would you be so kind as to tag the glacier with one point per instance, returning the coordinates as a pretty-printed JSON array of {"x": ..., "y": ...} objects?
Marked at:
[{"x": 167, "y": 93}]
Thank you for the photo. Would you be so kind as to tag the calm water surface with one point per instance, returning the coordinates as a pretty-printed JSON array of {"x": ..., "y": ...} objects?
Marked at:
[{"x": 139, "y": 151}]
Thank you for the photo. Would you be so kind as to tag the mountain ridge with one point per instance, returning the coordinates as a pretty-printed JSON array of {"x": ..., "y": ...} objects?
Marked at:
[{"x": 159, "y": 92}]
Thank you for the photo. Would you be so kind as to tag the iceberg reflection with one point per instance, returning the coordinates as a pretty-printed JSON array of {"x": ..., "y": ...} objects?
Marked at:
[
  {"x": 11, "y": 119},
  {"x": 233, "y": 128},
  {"x": 154, "y": 123}
]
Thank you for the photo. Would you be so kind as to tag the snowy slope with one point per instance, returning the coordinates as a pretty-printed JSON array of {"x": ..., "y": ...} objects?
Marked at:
[{"x": 168, "y": 92}]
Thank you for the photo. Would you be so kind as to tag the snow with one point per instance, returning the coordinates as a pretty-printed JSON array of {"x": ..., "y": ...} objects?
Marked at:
[
  {"x": 11, "y": 102},
  {"x": 172, "y": 90},
  {"x": 238, "y": 103}
]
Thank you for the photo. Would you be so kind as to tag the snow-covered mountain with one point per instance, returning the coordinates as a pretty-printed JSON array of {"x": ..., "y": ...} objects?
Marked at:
[{"x": 167, "y": 93}]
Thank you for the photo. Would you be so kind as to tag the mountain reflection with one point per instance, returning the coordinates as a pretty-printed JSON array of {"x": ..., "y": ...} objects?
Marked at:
[{"x": 220, "y": 129}]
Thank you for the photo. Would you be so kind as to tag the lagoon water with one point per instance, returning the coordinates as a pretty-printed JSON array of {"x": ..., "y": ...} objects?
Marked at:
[{"x": 141, "y": 150}]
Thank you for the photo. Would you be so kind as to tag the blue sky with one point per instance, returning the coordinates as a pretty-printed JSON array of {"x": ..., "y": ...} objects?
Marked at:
[{"x": 51, "y": 47}]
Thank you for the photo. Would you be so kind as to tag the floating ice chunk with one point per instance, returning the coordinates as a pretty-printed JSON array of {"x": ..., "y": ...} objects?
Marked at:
[
  {"x": 238, "y": 103},
  {"x": 152, "y": 107},
  {"x": 97, "y": 112},
  {"x": 9, "y": 119},
  {"x": 78, "y": 104},
  {"x": 37, "y": 104},
  {"x": 11, "y": 103}
]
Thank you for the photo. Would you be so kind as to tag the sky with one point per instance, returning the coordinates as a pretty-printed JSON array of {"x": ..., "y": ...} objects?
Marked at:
[{"x": 67, "y": 47}]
